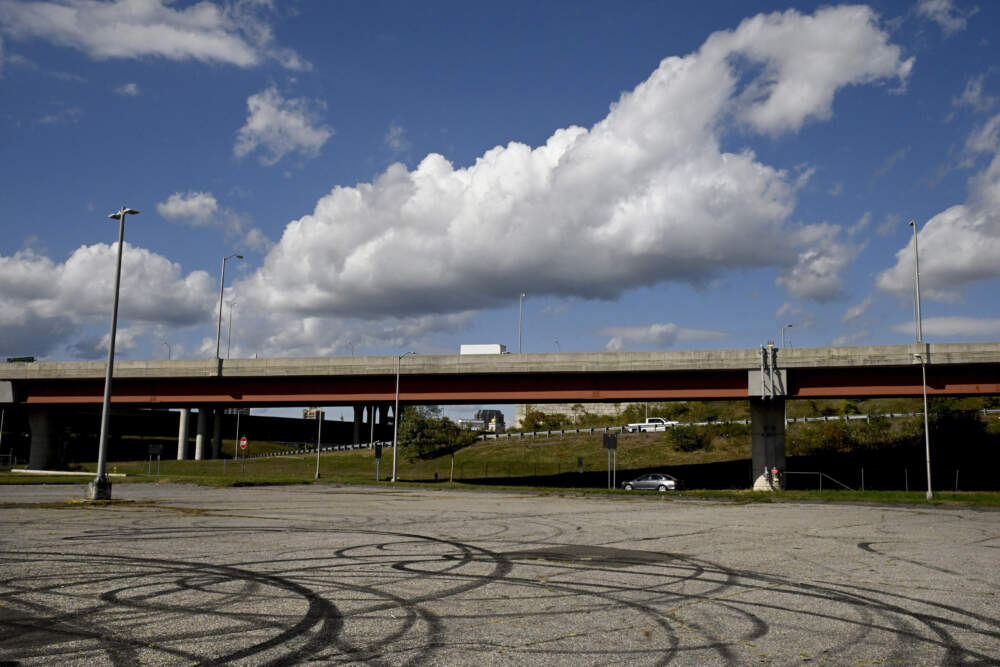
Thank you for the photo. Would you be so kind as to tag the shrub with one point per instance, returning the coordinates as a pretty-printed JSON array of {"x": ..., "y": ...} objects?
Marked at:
[{"x": 689, "y": 438}]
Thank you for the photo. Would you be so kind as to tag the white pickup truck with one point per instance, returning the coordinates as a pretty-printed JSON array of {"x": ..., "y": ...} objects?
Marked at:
[{"x": 651, "y": 424}]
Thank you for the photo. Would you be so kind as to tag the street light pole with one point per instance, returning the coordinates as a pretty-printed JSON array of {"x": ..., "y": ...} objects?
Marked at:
[
  {"x": 319, "y": 437},
  {"x": 168, "y": 349},
  {"x": 520, "y": 320},
  {"x": 787, "y": 326},
  {"x": 100, "y": 487},
  {"x": 229, "y": 335},
  {"x": 922, "y": 355},
  {"x": 395, "y": 416},
  {"x": 222, "y": 284}
]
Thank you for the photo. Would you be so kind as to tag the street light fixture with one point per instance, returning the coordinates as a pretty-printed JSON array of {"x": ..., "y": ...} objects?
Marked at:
[
  {"x": 520, "y": 320},
  {"x": 100, "y": 487},
  {"x": 222, "y": 284},
  {"x": 168, "y": 349},
  {"x": 922, "y": 356},
  {"x": 395, "y": 416}
]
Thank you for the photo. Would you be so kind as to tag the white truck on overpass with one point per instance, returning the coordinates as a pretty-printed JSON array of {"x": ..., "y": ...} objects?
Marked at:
[{"x": 651, "y": 424}]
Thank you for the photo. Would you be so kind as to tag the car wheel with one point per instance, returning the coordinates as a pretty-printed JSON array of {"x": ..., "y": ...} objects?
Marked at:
[
  {"x": 662, "y": 488},
  {"x": 628, "y": 487}
]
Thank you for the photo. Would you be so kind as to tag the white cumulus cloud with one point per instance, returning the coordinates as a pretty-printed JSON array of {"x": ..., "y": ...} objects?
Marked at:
[
  {"x": 945, "y": 14},
  {"x": 983, "y": 328},
  {"x": 128, "y": 90},
  {"x": 817, "y": 273},
  {"x": 657, "y": 336},
  {"x": 234, "y": 33},
  {"x": 196, "y": 208},
  {"x": 277, "y": 127},
  {"x": 973, "y": 96},
  {"x": 644, "y": 196},
  {"x": 961, "y": 244},
  {"x": 201, "y": 209},
  {"x": 43, "y": 304}
]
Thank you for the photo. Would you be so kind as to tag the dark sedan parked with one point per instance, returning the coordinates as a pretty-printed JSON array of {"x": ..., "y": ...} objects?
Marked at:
[{"x": 657, "y": 480}]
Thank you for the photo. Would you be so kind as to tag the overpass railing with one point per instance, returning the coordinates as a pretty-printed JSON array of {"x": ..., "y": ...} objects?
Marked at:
[
  {"x": 513, "y": 435},
  {"x": 305, "y": 448}
]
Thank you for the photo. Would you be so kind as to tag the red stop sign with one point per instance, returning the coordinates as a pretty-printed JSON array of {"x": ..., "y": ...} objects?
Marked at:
[{"x": 243, "y": 442}]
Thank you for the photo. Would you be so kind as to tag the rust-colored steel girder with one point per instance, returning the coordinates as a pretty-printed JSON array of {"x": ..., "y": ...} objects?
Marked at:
[
  {"x": 512, "y": 387},
  {"x": 889, "y": 381},
  {"x": 429, "y": 389}
]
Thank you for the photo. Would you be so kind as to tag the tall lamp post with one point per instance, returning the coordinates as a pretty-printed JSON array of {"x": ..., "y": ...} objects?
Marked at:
[
  {"x": 319, "y": 436},
  {"x": 100, "y": 487},
  {"x": 520, "y": 320},
  {"x": 922, "y": 355},
  {"x": 395, "y": 416},
  {"x": 222, "y": 284},
  {"x": 229, "y": 335},
  {"x": 787, "y": 326}
]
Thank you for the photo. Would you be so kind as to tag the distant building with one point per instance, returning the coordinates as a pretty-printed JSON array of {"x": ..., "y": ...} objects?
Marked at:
[
  {"x": 493, "y": 420},
  {"x": 568, "y": 409},
  {"x": 471, "y": 424}
]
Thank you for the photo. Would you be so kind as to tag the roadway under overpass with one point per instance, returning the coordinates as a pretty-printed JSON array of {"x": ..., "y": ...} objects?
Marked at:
[{"x": 765, "y": 377}]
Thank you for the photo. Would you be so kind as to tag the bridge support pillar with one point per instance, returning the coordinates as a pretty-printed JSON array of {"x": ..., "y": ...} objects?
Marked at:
[
  {"x": 44, "y": 439},
  {"x": 217, "y": 433},
  {"x": 376, "y": 418},
  {"x": 359, "y": 420},
  {"x": 182, "y": 433},
  {"x": 202, "y": 435},
  {"x": 767, "y": 425}
]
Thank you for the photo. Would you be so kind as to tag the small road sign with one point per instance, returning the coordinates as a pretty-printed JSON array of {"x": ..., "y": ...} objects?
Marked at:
[{"x": 243, "y": 442}]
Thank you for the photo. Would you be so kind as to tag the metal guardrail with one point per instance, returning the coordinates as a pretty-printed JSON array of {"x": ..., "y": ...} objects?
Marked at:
[
  {"x": 307, "y": 449},
  {"x": 821, "y": 475},
  {"x": 622, "y": 429},
  {"x": 513, "y": 435}
]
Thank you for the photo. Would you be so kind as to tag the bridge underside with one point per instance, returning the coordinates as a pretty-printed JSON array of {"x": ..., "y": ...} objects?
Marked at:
[
  {"x": 510, "y": 388},
  {"x": 767, "y": 412}
]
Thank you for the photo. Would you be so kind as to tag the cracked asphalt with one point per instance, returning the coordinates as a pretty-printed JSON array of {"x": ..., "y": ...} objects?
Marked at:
[{"x": 173, "y": 574}]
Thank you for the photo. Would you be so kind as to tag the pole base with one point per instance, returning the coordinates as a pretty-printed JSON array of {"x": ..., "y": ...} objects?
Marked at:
[
  {"x": 99, "y": 489},
  {"x": 766, "y": 483}
]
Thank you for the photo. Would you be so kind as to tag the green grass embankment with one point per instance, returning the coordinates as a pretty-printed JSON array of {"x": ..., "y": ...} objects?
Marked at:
[{"x": 544, "y": 465}]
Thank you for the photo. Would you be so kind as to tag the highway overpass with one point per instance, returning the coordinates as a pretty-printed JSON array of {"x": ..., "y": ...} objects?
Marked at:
[{"x": 765, "y": 377}]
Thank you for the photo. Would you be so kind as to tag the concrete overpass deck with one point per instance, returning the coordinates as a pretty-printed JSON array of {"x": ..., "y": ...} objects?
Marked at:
[
  {"x": 953, "y": 368},
  {"x": 765, "y": 378}
]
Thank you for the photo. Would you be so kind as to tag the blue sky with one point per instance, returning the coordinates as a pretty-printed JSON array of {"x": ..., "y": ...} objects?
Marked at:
[{"x": 650, "y": 175}]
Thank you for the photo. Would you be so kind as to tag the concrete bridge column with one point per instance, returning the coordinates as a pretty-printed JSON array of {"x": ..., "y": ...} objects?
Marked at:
[
  {"x": 359, "y": 420},
  {"x": 182, "y": 433},
  {"x": 767, "y": 426},
  {"x": 44, "y": 439},
  {"x": 384, "y": 421},
  {"x": 372, "y": 414},
  {"x": 202, "y": 435},
  {"x": 217, "y": 433}
]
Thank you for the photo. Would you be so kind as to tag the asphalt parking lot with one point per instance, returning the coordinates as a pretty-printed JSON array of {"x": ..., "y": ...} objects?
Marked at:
[{"x": 326, "y": 574}]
